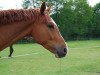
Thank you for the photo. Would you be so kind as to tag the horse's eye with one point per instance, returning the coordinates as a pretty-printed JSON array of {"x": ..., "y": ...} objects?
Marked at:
[{"x": 51, "y": 26}]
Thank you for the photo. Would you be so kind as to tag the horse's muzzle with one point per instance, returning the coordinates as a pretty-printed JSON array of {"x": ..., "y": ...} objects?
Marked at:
[{"x": 61, "y": 53}]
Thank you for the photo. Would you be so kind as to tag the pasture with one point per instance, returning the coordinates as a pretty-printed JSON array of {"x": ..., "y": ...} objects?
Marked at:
[{"x": 32, "y": 59}]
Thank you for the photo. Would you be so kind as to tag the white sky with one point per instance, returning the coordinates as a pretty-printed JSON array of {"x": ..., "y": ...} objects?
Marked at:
[
  {"x": 10, "y": 4},
  {"x": 13, "y": 4},
  {"x": 93, "y": 2}
]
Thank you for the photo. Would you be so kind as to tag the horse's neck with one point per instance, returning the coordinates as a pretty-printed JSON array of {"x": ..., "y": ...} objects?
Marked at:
[{"x": 13, "y": 32}]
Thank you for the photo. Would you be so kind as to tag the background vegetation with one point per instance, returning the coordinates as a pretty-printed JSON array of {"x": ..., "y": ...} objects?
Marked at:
[{"x": 75, "y": 18}]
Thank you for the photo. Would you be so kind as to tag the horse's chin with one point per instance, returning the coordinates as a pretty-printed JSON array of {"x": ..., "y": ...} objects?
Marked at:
[
  {"x": 59, "y": 56},
  {"x": 56, "y": 55}
]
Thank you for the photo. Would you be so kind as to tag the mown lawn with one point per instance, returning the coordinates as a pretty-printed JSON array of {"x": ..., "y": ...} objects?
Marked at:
[{"x": 32, "y": 59}]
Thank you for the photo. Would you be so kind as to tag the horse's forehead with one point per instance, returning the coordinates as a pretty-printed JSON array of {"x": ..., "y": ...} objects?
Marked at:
[{"x": 49, "y": 19}]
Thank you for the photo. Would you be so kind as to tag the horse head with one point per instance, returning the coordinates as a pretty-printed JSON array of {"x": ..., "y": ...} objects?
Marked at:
[{"x": 46, "y": 33}]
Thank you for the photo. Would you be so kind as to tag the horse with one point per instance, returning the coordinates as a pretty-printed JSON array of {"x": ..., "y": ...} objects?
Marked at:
[
  {"x": 11, "y": 50},
  {"x": 16, "y": 24}
]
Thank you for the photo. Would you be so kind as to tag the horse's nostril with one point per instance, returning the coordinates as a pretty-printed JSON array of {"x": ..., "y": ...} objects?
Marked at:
[
  {"x": 65, "y": 50},
  {"x": 61, "y": 53}
]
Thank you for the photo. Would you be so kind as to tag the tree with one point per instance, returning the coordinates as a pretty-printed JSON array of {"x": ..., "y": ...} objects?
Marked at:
[
  {"x": 31, "y": 3},
  {"x": 83, "y": 17},
  {"x": 96, "y": 20},
  {"x": 75, "y": 17},
  {"x": 65, "y": 20}
]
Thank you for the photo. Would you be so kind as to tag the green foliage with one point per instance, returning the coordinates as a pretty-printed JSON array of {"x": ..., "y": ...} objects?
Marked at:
[
  {"x": 26, "y": 4},
  {"x": 75, "y": 16},
  {"x": 96, "y": 20},
  {"x": 31, "y": 3}
]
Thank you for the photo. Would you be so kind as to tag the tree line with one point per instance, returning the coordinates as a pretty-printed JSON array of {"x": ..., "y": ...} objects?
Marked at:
[{"x": 76, "y": 19}]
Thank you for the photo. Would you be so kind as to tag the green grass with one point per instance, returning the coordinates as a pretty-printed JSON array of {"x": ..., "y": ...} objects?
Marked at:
[{"x": 83, "y": 59}]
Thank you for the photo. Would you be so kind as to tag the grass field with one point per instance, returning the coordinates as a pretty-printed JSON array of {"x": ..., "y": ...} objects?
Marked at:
[{"x": 32, "y": 59}]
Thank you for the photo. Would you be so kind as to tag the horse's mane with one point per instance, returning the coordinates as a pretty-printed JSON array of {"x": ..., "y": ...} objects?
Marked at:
[{"x": 10, "y": 16}]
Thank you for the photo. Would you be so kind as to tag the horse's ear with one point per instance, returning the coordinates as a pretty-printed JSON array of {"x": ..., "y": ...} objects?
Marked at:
[
  {"x": 49, "y": 8},
  {"x": 43, "y": 7}
]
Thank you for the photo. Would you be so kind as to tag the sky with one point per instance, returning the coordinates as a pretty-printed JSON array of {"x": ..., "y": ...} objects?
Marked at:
[
  {"x": 10, "y": 4},
  {"x": 13, "y": 4},
  {"x": 93, "y": 2}
]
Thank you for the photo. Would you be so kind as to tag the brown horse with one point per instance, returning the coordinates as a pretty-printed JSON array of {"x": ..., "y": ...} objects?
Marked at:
[
  {"x": 11, "y": 50},
  {"x": 16, "y": 24}
]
